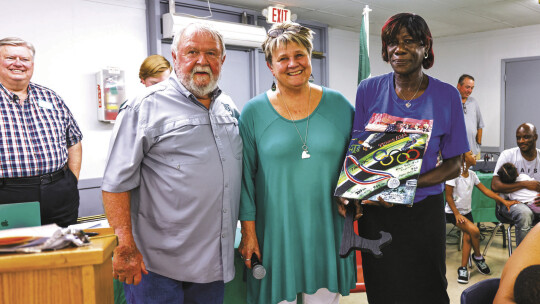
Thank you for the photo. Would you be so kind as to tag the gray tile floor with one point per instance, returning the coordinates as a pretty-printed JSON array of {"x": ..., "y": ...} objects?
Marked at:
[{"x": 496, "y": 258}]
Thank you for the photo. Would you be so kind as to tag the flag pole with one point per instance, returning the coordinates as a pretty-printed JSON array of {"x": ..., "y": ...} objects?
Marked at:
[
  {"x": 364, "y": 70},
  {"x": 365, "y": 13}
]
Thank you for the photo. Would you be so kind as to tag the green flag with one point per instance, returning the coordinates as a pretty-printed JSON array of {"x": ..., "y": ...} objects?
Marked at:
[{"x": 363, "y": 58}]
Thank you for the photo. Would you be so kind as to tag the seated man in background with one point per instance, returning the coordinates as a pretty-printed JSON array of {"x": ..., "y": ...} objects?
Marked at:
[
  {"x": 526, "y": 158},
  {"x": 40, "y": 141}
]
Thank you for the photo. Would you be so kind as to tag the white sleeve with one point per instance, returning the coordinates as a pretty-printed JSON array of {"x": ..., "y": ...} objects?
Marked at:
[
  {"x": 475, "y": 178},
  {"x": 451, "y": 182},
  {"x": 503, "y": 158}
]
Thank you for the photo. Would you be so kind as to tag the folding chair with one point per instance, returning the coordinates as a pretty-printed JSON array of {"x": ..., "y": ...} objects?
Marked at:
[
  {"x": 482, "y": 292},
  {"x": 508, "y": 236}
]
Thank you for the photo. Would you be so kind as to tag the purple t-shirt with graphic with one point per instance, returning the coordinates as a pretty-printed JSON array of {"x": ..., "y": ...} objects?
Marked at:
[{"x": 440, "y": 105}]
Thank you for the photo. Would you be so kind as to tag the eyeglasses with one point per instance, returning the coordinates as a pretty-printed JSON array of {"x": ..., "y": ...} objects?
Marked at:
[
  {"x": 274, "y": 33},
  {"x": 407, "y": 43},
  {"x": 464, "y": 109}
]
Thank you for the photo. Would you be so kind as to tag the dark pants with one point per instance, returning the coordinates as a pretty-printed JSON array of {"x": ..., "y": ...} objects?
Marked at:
[
  {"x": 58, "y": 200},
  {"x": 412, "y": 269},
  {"x": 451, "y": 218},
  {"x": 157, "y": 289}
]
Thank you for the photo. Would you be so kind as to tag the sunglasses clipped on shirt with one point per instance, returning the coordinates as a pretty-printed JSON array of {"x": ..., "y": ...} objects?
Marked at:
[{"x": 464, "y": 108}]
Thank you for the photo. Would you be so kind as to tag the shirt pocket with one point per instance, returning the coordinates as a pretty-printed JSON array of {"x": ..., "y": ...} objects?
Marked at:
[
  {"x": 182, "y": 142},
  {"x": 233, "y": 134}
]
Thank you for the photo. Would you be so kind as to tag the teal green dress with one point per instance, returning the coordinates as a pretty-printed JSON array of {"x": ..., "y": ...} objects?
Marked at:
[{"x": 290, "y": 198}]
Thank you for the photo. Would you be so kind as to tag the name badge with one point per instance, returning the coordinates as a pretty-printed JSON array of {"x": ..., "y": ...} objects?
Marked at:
[{"x": 45, "y": 104}]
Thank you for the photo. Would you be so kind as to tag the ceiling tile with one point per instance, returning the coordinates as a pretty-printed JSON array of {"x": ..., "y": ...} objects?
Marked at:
[
  {"x": 445, "y": 17},
  {"x": 511, "y": 13}
]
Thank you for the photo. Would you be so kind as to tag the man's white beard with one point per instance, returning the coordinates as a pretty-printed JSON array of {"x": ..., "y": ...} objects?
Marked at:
[{"x": 200, "y": 91}]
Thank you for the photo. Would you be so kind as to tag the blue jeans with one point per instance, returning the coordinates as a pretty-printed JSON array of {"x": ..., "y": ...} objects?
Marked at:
[
  {"x": 157, "y": 289},
  {"x": 522, "y": 216}
]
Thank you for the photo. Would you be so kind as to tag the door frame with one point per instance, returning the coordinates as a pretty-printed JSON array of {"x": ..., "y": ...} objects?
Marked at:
[{"x": 503, "y": 94}]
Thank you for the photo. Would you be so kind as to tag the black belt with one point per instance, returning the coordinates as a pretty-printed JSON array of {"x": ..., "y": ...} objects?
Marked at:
[{"x": 35, "y": 180}]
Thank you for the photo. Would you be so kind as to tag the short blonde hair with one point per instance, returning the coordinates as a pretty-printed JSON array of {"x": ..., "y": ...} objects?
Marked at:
[
  {"x": 154, "y": 65},
  {"x": 16, "y": 41},
  {"x": 282, "y": 33}
]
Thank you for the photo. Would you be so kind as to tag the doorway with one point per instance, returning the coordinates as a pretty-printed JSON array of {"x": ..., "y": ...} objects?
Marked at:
[{"x": 521, "y": 96}]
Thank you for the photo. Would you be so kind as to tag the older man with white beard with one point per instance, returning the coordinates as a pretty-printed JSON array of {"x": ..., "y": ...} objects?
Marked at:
[{"x": 172, "y": 183}]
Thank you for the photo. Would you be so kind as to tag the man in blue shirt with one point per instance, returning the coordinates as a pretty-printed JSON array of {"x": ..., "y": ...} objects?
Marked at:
[
  {"x": 171, "y": 187},
  {"x": 473, "y": 117}
]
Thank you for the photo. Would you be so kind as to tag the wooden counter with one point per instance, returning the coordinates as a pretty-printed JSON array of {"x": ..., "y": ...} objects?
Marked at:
[{"x": 74, "y": 275}]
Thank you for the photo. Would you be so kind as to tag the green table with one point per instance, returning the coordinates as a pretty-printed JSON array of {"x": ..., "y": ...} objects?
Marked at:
[{"x": 483, "y": 207}]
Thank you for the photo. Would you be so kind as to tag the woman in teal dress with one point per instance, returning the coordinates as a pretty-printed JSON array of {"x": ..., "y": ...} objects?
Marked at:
[{"x": 295, "y": 136}]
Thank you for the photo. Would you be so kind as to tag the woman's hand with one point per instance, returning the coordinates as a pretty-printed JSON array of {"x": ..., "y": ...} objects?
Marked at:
[
  {"x": 379, "y": 202},
  {"x": 342, "y": 204},
  {"x": 249, "y": 243}
]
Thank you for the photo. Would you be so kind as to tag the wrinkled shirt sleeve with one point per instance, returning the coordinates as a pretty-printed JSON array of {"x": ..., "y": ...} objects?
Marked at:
[{"x": 122, "y": 172}]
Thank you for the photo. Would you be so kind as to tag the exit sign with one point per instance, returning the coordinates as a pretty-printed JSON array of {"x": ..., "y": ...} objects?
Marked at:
[{"x": 278, "y": 14}]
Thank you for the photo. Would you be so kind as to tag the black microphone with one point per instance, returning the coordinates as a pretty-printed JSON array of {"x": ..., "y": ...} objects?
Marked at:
[{"x": 257, "y": 270}]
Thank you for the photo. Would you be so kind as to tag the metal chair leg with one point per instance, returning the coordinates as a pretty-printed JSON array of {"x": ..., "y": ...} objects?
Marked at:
[
  {"x": 460, "y": 242},
  {"x": 509, "y": 237},
  {"x": 491, "y": 238},
  {"x": 504, "y": 236}
]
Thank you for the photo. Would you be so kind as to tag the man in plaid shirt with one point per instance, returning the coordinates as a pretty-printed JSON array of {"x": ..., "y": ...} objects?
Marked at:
[{"x": 40, "y": 142}]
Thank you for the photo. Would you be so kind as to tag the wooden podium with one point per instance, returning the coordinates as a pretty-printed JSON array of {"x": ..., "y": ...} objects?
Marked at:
[{"x": 74, "y": 275}]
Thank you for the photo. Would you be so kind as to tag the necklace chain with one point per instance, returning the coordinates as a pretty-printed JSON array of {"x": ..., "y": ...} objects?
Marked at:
[
  {"x": 304, "y": 142},
  {"x": 408, "y": 101}
]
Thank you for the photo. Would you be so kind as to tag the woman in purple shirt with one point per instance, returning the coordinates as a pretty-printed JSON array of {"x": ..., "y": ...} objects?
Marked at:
[{"x": 412, "y": 269}]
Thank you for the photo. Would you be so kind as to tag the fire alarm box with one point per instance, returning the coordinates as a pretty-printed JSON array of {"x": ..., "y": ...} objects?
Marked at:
[{"x": 111, "y": 93}]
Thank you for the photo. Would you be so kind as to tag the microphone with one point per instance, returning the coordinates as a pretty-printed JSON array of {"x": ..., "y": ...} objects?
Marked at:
[{"x": 257, "y": 270}]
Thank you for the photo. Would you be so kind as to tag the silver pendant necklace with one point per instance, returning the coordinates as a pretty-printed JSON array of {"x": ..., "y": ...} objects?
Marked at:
[
  {"x": 305, "y": 152},
  {"x": 408, "y": 101}
]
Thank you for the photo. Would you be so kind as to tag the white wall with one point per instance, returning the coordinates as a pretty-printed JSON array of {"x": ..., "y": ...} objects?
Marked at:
[
  {"x": 478, "y": 54},
  {"x": 343, "y": 49},
  {"x": 73, "y": 40},
  {"x": 481, "y": 55},
  {"x": 343, "y": 60}
]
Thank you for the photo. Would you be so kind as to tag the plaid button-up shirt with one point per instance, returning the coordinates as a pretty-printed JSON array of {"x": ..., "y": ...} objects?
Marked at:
[{"x": 34, "y": 137}]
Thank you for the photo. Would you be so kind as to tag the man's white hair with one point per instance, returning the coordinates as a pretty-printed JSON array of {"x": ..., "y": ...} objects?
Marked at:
[{"x": 199, "y": 27}]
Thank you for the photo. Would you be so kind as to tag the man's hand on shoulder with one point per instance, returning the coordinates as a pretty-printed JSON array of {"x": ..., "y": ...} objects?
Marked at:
[{"x": 128, "y": 264}]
